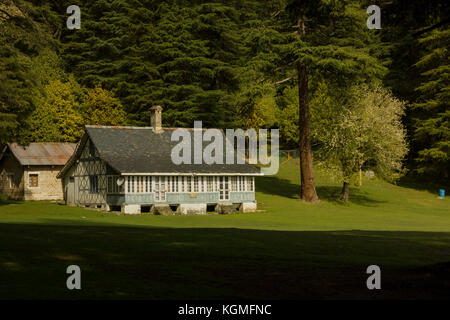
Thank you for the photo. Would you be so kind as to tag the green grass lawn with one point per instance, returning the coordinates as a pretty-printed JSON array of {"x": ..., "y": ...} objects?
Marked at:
[{"x": 292, "y": 250}]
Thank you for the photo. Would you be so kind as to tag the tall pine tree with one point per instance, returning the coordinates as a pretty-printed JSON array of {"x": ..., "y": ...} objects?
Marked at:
[
  {"x": 329, "y": 39},
  {"x": 432, "y": 124}
]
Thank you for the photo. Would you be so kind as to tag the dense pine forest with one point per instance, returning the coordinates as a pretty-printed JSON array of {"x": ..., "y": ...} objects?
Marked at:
[{"x": 236, "y": 63}]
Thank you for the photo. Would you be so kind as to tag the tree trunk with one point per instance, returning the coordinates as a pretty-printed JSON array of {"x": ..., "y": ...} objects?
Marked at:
[
  {"x": 345, "y": 192},
  {"x": 308, "y": 188},
  {"x": 360, "y": 176}
]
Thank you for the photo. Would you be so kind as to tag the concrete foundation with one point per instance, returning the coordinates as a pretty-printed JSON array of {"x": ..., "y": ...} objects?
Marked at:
[
  {"x": 226, "y": 208},
  {"x": 131, "y": 209},
  {"x": 192, "y": 208},
  {"x": 188, "y": 208},
  {"x": 248, "y": 207},
  {"x": 161, "y": 209}
]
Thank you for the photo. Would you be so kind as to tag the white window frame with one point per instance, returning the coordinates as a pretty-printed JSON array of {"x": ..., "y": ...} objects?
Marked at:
[
  {"x": 209, "y": 184},
  {"x": 173, "y": 184},
  {"x": 188, "y": 184},
  {"x": 196, "y": 184},
  {"x": 160, "y": 189},
  {"x": 251, "y": 181},
  {"x": 180, "y": 184},
  {"x": 224, "y": 188}
]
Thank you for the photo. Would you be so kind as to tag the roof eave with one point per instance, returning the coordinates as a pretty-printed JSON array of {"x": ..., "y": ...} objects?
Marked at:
[
  {"x": 191, "y": 174},
  {"x": 72, "y": 158},
  {"x": 78, "y": 151},
  {"x": 14, "y": 154}
]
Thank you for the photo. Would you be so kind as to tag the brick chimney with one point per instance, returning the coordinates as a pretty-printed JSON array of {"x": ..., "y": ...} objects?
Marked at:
[{"x": 155, "y": 118}]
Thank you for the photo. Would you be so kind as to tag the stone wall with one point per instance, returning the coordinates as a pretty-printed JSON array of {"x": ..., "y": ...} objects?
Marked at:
[
  {"x": 9, "y": 165},
  {"x": 49, "y": 187}
]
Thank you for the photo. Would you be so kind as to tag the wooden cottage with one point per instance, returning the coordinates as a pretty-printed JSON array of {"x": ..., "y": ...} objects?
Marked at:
[
  {"x": 29, "y": 172},
  {"x": 129, "y": 169}
]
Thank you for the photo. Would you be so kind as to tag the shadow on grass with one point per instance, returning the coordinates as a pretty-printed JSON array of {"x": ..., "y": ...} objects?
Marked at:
[
  {"x": 283, "y": 187},
  {"x": 4, "y": 201},
  {"x": 220, "y": 263},
  {"x": 424, "y": 183},
  {"x": 357, "y": 196},
  {"x": 277, "y": 186}
]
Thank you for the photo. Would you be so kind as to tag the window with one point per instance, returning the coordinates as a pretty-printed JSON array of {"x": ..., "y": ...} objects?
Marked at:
[
  {"x": 163, "y": 181},
  {"x": 10, "y": 179},
  {"x": 173, "y": 184},
  {"x": 241, "y": 185},
  {"x": 157, "y": 186},
  {"x": 196, "y": 182},
  {"x": 183, "y": 184},
  {"x": 234, "y": 184},
  {"x": 33, "y": 180},
  {"x": 93, "y": 184},
  {"x": 209, "y": 184},
  {"x": 250, "y": 184},
  {"x": 140, "y": 184},
  {"x": 224, "y": 188},
  {"x": 130, "y": 184},
  {"x": 112, "y": 186},
  {"x": 188, "y": 184},
  {"x": 91, "y": 149},
  {"x": 227, "y": 188},
  {"x": 160, "y": 189}
]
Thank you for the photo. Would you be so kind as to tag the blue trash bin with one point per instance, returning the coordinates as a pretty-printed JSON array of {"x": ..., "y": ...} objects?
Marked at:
[{"x": 442, "y": 193}]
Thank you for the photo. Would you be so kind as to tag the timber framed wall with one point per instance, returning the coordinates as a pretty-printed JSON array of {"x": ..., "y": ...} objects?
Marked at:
[{"x": 90, "y": 175}]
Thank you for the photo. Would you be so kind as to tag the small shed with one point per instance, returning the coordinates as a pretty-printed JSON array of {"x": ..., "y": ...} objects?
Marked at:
[{"x": 29, "y": 172}]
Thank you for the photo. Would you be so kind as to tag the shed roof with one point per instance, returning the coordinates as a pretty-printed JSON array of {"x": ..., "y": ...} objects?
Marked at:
[
  {"x": 142, "y": 151},
  {"x": 43, "y": 153}
]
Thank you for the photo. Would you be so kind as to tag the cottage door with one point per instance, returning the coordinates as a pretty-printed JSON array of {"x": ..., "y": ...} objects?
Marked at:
[
  {"x": 224, "y": 188},
  {"x": 70, "y": 191},
  {"x": 160, "y": 189}
]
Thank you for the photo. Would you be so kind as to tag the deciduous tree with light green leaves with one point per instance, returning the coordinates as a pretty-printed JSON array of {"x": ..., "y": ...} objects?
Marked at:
[
  {"x": 100, "y": 107},
  {"x": 56, "y": 117},
  {"x": 362, "y": 130}
]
